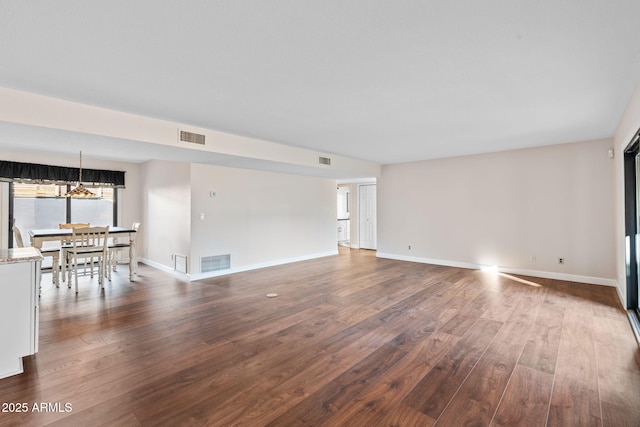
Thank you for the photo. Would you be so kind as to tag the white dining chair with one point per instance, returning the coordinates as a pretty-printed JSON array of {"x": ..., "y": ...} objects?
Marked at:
[
  {"x": 87, "y": 242},
  {"x": 116, "y": 246},
  {"x": 53, "y": 253},
  {"x": 65, "y": 244}
]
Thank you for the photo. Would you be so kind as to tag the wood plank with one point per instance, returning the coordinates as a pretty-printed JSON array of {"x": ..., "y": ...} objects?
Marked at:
[
  {"x": 381, "y": 397},
  {"x": 478, "y": 397},
  {"x": 541, "y": 350},
  {"x": 404, "y": 416},
  {"x": 615, "y": 342},
  {"x": 468, "y": 315},
  {"x": 250, "y": 371},
  {"x": 575, "y": 396},
  {"x": 526, "y": 399},
  {"x": 577, "y": 353},
  {"x": 574, "y": 404},
  {"x": 619, "y": 416},
  {"x": 289, "y": 388},
  {"x": 336, "y": 394},
  {"x": 432, "y": 394},
  {"x": 619, "y": 386}
]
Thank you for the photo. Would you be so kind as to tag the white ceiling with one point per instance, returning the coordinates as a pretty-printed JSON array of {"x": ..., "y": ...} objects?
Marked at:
[{"x": 386, "y": 81}]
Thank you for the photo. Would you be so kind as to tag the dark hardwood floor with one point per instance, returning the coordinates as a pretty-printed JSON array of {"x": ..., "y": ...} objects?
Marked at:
[{"x": 351, "y": 340}]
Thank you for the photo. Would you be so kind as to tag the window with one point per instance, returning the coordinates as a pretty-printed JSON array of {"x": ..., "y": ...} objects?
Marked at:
[
  {"x": 37, "y": 206},
  {"x": 37, "y": 196}
]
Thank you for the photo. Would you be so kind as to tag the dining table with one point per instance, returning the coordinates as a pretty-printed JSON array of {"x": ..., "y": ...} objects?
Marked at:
[{"x": 39, "y": 236}]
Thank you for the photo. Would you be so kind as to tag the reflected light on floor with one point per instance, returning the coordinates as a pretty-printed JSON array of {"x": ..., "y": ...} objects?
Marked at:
[
  {"x": 518, "y": 279},
  {"x": 494, "y": 269}
]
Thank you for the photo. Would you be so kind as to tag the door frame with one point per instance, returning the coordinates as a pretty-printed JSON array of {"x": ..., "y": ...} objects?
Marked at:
[{"x": 631, "y": 164}]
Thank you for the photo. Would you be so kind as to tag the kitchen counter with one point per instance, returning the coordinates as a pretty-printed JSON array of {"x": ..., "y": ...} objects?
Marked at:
[{"x": 9, "y": 256}]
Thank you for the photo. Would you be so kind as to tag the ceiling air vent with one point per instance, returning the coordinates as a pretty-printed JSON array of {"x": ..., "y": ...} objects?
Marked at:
[
  {"x": 324, "y": 160},
  {"x": 192, "y": 138},
  {"x": 215, "y": 263}
]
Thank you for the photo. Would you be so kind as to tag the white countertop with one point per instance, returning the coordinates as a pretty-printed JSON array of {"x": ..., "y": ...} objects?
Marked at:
[{"x": 9, "y": 256}]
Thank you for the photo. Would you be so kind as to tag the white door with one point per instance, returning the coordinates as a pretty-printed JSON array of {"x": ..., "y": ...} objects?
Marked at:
[{"x": 367, "y": 207}]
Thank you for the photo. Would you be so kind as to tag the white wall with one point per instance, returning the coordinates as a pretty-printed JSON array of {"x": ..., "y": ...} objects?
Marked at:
[
  {"x": 503, "y": 208},
  {"x": 166, "y": 220},
  {"x": 129, "y": 203},
  {"x": 260, "y": 218},
  {"x": 628, "y": 126}
]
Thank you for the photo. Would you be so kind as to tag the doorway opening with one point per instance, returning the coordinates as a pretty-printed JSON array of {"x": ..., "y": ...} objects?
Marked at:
[
  {"x": 357, "y": 214},
  {"x": 344, "y": 215}
]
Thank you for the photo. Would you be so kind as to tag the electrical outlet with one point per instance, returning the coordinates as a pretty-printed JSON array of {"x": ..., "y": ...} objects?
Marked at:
[
  {"x": 409, "y": 247},
  {"x": 560, "y": 260}
]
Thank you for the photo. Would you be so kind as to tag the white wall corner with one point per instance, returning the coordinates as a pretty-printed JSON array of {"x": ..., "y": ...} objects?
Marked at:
[
  {"x": 165, "y": 268},
  {"x": 621, "y": 297}
]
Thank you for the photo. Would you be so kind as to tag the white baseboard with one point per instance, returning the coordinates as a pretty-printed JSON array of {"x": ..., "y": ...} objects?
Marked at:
[
  {"x": 623, "y": 300},
  {"x": 524, "y": 272},
  {"x": 164, "y": 268},
  {"x": 240, "y": 269},
  {"x": 193, "y": 277},
  {"x": 428, "y": 261}
]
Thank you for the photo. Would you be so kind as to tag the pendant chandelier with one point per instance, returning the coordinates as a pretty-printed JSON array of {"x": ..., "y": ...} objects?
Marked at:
[{"x": 80, "y": 192}]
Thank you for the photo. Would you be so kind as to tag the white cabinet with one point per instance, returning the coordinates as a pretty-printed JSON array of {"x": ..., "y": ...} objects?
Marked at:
[
  {"x": 343, "y": 230},
  {"x": 19, "y": 307}
]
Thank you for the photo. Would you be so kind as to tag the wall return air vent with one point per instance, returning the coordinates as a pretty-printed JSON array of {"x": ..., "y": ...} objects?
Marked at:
[
  {"x": 190, "y": 137},
  {"x": 215, "y": 263}
]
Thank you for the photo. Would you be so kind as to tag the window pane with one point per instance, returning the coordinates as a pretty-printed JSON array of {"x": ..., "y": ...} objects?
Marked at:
[
  {"x": 36, "y": 207},
  {"x": 97, "y": 212}
]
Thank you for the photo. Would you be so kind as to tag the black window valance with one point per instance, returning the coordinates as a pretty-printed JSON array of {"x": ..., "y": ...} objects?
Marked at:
[{"x": 32, "y": 172}]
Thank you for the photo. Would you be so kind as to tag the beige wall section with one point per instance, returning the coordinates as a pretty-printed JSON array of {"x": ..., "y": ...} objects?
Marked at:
[
  {"x": 166, "y": 212},
  {"x": 628, "y": 126},
  {"x": 130, "y": 204},
  {"x": 504, "y": 208},
  {"x": 260, "y": 218}
]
